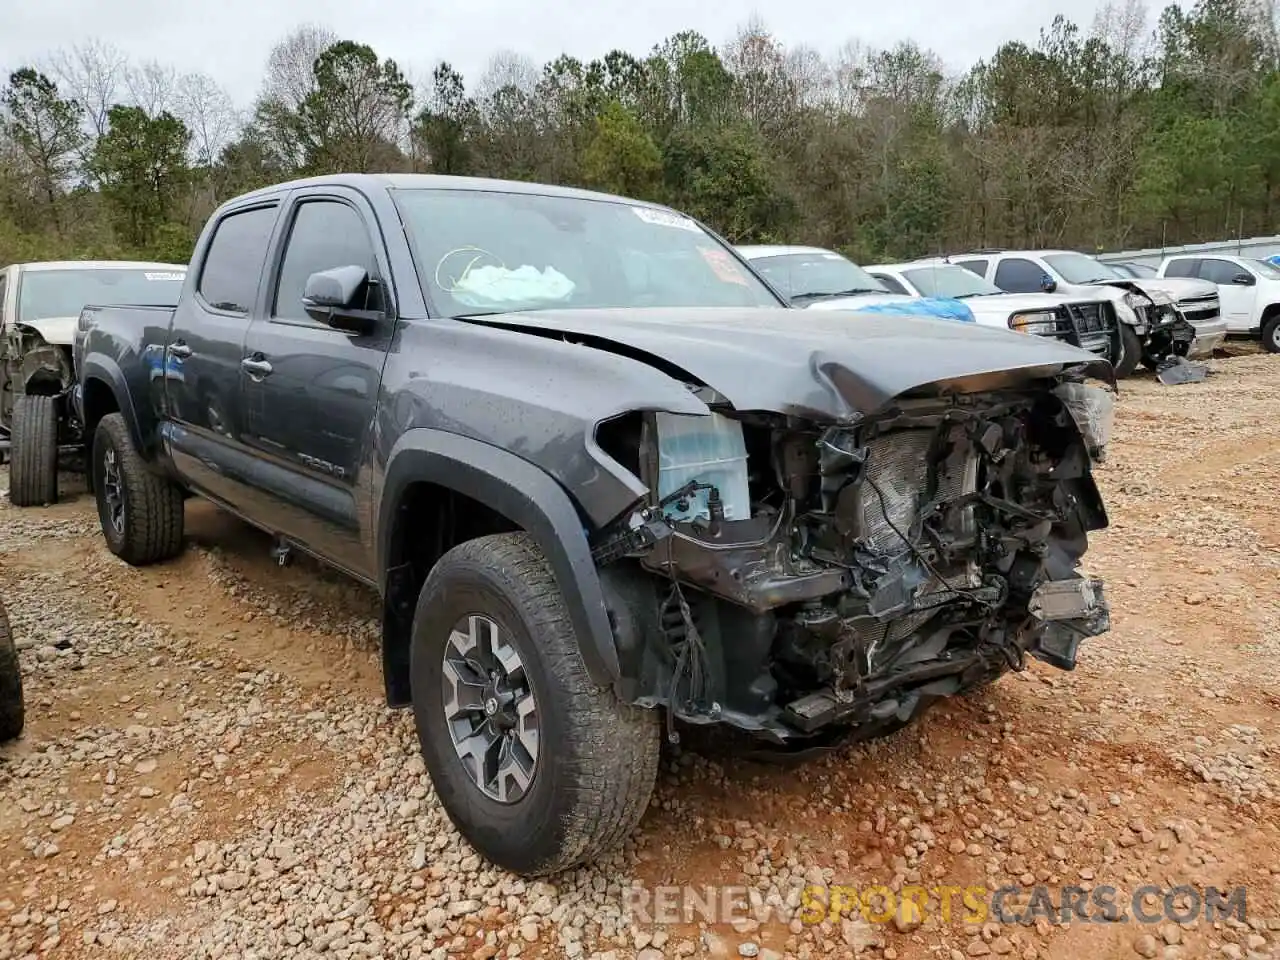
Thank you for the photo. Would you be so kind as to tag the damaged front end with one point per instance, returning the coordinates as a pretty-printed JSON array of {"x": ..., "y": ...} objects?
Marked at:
[
  {"x": 30, "y": 365},
  {"x": 796, "y": 578},
  {"x": 1167, "y": 333}
]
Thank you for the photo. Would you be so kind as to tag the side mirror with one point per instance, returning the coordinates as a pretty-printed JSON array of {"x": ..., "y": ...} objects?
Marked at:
[
  {"x": 1048, "y": 284},
  {"x": 336, "y": 297},
  {"x": 1243, "y": 279}
]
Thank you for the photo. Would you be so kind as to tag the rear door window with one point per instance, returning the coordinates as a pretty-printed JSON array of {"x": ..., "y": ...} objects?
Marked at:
[
  {"x": 1184, "y": 267},
  {"x": 233, "y": 263}
]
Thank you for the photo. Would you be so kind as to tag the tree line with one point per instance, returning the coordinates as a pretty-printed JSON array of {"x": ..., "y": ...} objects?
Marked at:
[{"x": 1115, "y": 134}]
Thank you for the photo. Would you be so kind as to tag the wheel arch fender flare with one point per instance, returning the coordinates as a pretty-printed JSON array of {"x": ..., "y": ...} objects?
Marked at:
[
  {"x": 526, "y": 495},
  {"x": 105, "y": 370}
]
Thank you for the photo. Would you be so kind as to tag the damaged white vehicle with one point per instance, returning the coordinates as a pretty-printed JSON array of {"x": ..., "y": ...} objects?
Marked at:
[
  {"x": 1159, "y": 319},
  {"x": 40, "y": 304}
]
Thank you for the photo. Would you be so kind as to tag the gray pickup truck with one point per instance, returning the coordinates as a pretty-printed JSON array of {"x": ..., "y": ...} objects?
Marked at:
[{"x": 603, "y": 476}]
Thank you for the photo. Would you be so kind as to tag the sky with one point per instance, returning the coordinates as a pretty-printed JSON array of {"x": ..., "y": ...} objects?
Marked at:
[{"x": 230, "y": 39}]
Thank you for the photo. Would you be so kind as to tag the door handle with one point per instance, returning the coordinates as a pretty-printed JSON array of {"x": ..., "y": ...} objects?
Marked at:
[
  {"x": 180, "y": 349},
  {"x": 256, "y": 366}
]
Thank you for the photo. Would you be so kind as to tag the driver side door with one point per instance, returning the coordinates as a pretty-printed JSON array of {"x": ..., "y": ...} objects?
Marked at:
[{"x": 311, "y": 390}]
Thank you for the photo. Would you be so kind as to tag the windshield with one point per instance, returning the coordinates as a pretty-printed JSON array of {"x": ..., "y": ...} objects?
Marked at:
[
  {"x": 949, "y": 280},
  {"x": 43, "y": 294},
  {"x": 814, "y": 275},
  {"x": 1077, "y": 268},
  {"x": 1136, "y": 270},
  {"x": 1265, "y": 269},
  {"x": 484, "y": 252}
]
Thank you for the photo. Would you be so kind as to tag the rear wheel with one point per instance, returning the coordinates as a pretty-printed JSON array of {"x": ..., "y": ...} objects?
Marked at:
[
  {"x": 33, "y": 473},
  {"x": 1130, "y": 351},
  {"x": 1271, "y": 334},
  {"x": 140, "y": 512},
  {"x": 539, "y": 768},
  {"x": 12, "y": 711}
]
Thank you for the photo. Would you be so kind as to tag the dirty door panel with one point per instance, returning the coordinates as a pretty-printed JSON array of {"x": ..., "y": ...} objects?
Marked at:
[
  {"x": 311, "y": 415},
  {"x": 201, "y": 365}
]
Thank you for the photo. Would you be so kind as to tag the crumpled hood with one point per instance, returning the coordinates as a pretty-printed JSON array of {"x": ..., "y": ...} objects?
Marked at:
[
  {"x": 815, "y": 363},
  {"x": 1177, "y": 288},
  {"x": 945, "y": 308},
  {"x": 59, "y": 331}
]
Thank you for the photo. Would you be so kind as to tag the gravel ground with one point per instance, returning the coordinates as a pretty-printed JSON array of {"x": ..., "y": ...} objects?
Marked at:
[{"x": 208, "y": 770}]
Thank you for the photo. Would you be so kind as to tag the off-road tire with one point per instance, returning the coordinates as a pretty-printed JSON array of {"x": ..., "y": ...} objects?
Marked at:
[
  {"x": 12, "y": 710},
  {"x": 597, "y": 770},
  {"x": 1130, "y": 352},
  {"x": 152, "y": 526},
  {"x": 1271, "y": 335},
  {"x": 33, "y": 470}
]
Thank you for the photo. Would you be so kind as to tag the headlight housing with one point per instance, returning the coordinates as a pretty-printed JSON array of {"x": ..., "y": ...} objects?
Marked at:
[
  {"x": 1138, "y": 303},
  {"x": 1094, "y": 411},
  {"x": 1036, "y": 322}
]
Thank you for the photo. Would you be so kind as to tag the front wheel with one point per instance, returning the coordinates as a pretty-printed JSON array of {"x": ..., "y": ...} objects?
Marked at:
[
  {"x": 140, "y": 512},
  {"x": 33, "y": 472},
  {"x": 1130, "y": 351},
  {"x": 1271, "y": 335},
  {"x": 538, "y": 767}
]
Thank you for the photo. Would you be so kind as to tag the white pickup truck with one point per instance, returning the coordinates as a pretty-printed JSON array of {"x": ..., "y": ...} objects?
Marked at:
[
  {"x": 1159, "y": 317},
  {"x": 1081, "y": 321},
  {"x": 40, "y": 304},
  {"x": 1248, "y": 289}
]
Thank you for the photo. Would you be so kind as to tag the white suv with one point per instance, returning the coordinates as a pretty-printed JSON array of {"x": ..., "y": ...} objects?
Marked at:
[
  {"x": 1158, "y": 316},
  {"x": 1248, "y": 289},
  {"x": 1083, "y": 322}
]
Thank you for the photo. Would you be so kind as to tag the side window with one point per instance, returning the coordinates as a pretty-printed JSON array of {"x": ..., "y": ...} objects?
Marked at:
[
  {"x": 1219, "y": 271},
  {"x": 1186, "y": 267},
  {"x": 325, "y": 234},
  {"x": 891, "y": 282},
  {"x": 4, "y": 283},
  {"x": 1016, "y": 275},
  {"x": 233, "y": 263},
  {"x": 974, "y": 266}
]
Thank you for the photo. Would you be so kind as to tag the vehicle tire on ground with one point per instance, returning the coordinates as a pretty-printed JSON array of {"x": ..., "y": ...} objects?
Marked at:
[
  {"x": 33, "y": 452},
  {"x": 1271, "y": 335},
  {"x": 1130, "y": 352},
  {"x": 537, "y": 766},
  {"x": 12, "y": 710},
  {"x": 140, "y": 511}
]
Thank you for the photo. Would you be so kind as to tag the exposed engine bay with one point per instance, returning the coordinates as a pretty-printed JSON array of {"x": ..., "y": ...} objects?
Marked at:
[{"x": 798, "y": 579}]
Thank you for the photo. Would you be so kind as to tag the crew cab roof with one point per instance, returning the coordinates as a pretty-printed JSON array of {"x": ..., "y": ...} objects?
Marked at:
[
  {"x": 365, "y": 182},
  {"x": 98, "y": 265}
]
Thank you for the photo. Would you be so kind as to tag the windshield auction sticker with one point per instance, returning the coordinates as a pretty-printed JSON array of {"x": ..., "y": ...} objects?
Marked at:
[
  {"x": 663, "y": 218},
  {"x": 723, "y": 265}
]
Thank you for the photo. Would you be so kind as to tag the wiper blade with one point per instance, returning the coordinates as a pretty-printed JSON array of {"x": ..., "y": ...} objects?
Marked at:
[{"x": 851, "y": 292}]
